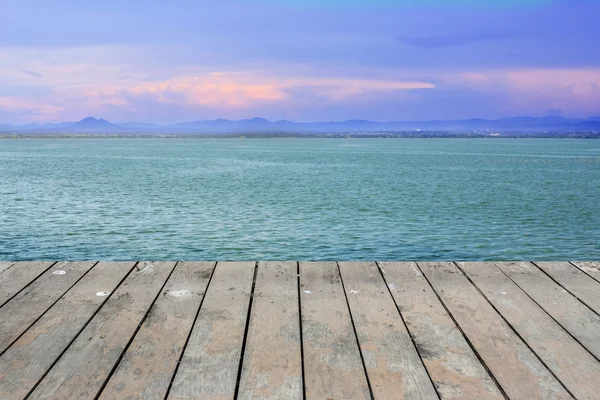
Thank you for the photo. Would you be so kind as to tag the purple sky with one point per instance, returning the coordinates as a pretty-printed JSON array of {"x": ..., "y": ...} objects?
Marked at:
[{"x": 305, "y": 60}]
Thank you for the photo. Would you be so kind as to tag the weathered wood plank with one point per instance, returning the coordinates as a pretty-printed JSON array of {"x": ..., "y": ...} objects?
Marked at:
[
  {"x": 517, "y": 369},
  {"x": 209, "y": 366},
  {"x": 572, "y": 364},
  {"x": 272, "y": 366},
  {"x": 27, "y": 306},
  {"x": 28, "y": 359},
  {"x": 4, "y": 265},
  {"x": 575, "y": 281},
  {"x": 147, "y": 367},
  {"x": 394, "y": 367},
  {"x": 333, "y": 367},
  {"x": 574, "y": 316},
  {"x": 455, "y": 370},
  {"x": 87, "y": 363},
  {"x": 20, "y": 275},
  {"x": 590, "y": 268}
]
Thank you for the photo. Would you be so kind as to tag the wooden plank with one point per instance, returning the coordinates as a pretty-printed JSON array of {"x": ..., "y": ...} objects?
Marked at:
[
  {"x": 394, "y": 367},
  {"x": 4, "y": 265},
  {"x": 27, "y": 306},
  {"x": 272, "y": 366},
  {"x": 517, "y": 369},
  {"x": 590, "y": 268},
  {"x": 572, "y": 364},
  {"x": 28, "y": 359},
  {"x": 573, "y": 315},
  {"x": 146, "y": 370},
  {"x": 84, "y": 367},
  {"x": 18, "y": 276},
  {"x": 333, "y": 368},
  {"x": 574, "y": 280},
  {"x": 210, "y": 363},
  {"x": 453, "y": 366}
]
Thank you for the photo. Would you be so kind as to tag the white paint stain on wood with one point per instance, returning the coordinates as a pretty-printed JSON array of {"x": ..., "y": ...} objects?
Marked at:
[{"x": 178, "y": 293}]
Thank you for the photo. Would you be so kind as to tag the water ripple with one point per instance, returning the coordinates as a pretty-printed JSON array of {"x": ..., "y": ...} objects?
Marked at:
[{"x": 358, "y": 199}]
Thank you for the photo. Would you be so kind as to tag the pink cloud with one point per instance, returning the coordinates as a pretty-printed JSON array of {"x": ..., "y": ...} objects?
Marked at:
[
  {"x": 40, "y": 110},
  {"x": 224, "y": 92},
  {"x": 78, "y": 82},
  {"x": 574, "y": 91},
  {"x": 240, "y": 89}
]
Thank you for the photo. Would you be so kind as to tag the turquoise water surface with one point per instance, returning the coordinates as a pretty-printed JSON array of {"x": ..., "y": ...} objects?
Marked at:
[{"x": 300, "y": 199}]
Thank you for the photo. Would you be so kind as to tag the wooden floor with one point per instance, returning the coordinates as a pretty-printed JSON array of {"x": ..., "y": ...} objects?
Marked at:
[{"x": 287, "y": 330}]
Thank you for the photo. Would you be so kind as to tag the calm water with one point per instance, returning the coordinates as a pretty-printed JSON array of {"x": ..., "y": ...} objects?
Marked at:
[{"x": 300, "y": 199}]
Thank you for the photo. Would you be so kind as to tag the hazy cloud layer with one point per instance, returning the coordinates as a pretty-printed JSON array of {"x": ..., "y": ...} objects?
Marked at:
[
  {"x": 30, "y": 73},
  {"x": 171, "y": 61}
]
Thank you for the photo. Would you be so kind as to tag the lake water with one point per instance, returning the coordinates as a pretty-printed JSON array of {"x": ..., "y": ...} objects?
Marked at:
[{"x": 300, "y": 199}]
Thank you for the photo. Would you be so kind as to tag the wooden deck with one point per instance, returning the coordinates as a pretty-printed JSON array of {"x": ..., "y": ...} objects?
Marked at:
[{"x": 287, "y": 330}]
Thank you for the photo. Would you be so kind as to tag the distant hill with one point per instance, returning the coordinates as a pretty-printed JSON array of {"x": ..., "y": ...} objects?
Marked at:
[
  {"x": 261, "y": 125},
  {"x": 57, "y": 125},
  {"x": 91, "y": 124}
]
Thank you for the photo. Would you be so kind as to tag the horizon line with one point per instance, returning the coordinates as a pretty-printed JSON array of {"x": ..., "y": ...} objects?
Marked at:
[{"x": 98, "y": 119}]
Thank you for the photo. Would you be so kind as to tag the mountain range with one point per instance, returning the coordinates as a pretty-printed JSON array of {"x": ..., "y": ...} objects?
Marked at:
[{"x": 254, "y": 125}]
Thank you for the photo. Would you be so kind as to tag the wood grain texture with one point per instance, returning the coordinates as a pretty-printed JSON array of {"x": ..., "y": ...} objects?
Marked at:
[
  {"x": 516, "y": 368},
  {"x": 31, "y": 302},
  {"x": 4, "y": 265},
  {"x": 332, "y": 362},
  {"x": 28, "y": 359},
  {"x": 147, "y": 367},
  {"x": 394, "y": 367},
  {"x": 572, "y": 364},
  {"x": 87, "y": 363},
  {"x": 209, "y": 366},
  {"x": 574, "y": 280},
  {"x": 453, "y": 366},
  {"x": 272, "y": 366},
  {"x": 118, "y": 331},
  {"x": 590, "y": 268},
  {"x": 20, "y": 275},
  {"x": 574, "y": 316}
]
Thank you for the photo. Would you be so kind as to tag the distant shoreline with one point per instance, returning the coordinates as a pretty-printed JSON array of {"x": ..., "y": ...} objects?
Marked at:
[{"x": 269, "y": 135}]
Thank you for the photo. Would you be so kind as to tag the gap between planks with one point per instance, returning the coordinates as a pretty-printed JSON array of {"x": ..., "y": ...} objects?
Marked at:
[{"x": 587, "y": 295}]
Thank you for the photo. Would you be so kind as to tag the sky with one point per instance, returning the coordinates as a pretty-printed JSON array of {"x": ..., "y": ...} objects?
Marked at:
[{"x": 309, "y": 60}]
